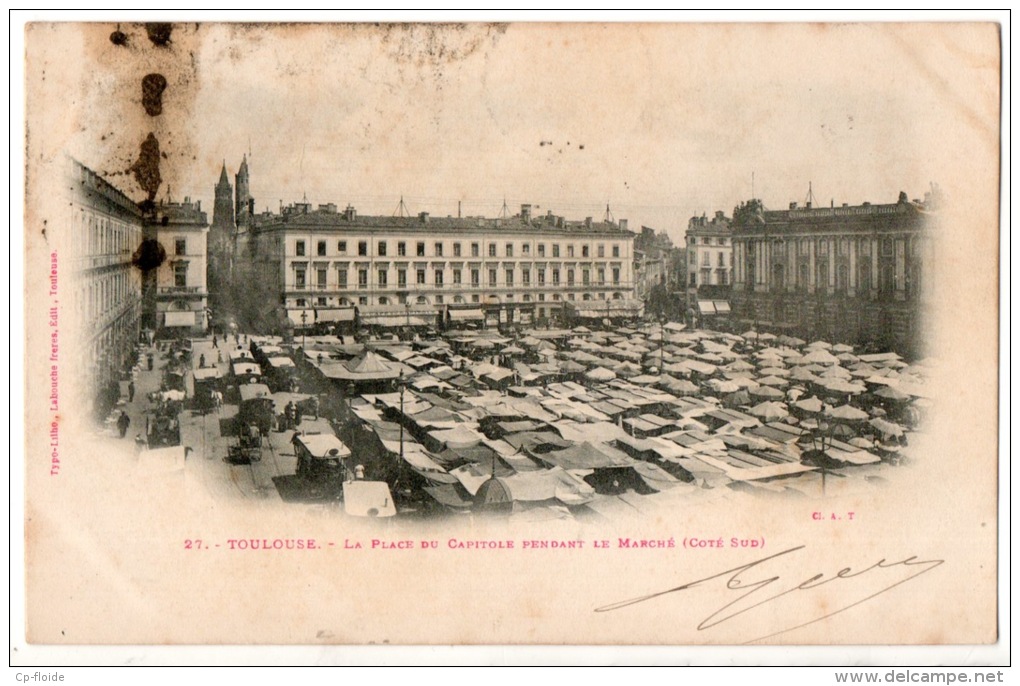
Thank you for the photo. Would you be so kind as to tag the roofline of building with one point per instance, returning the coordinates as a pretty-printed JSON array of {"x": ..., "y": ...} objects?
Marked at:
[{"x": 415, "y": 226}]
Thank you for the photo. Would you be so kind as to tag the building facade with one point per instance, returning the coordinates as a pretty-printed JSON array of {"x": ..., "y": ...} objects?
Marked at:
[
  {"x": 105, "y": 233},
  {"x": 709, "y": 267},
  {"x": 181, "y": 302},
  {"x": 325, "y": 266},
  {"x": 849, "y": 273}
]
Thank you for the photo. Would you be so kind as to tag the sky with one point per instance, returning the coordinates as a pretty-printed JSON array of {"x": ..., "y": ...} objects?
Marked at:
[{"x": 660, "y": 122}]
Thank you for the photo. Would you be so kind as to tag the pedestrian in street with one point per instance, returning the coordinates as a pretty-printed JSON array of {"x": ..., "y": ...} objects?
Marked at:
[
  {"x": 215, "y": 342},
  {"x": 140, "y": 443},
  {"x": 131, "y": 391},
  {"x": 123, "y": 422},
  {"x": 201, "y": 360},
  {"x": 219, "y": 356}
]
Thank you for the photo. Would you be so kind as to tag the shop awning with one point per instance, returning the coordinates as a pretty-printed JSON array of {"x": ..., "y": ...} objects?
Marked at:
[
  {"x": 295, "y": 317},
  {"x": 706, "y": 307},
  {"x": 392, "y": 321},
  {"x": 588, "y": 313},
  {"x": 466, "y": 315},
  {"x": 341, "y": 315},
  {"x": 179, "y": 319},
  {"x": 721, "y": 306}
]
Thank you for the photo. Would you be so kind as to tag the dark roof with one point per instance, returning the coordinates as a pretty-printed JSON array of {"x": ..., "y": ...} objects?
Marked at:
[{"x": 341, "y": 221}]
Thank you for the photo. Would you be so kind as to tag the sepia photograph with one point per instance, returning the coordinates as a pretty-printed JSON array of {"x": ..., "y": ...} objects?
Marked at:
[{"x": 518, "y": 333}]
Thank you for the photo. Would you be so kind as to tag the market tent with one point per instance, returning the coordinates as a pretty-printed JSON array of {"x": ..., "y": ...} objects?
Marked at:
[
  {"x": 847, "y": 413},
  {"x": 766, "y": 392},
  {"x": 886, "y": 428},
  {"x": 809, "y": 405},
  {"x": 892, "y": 393},
  {"x": 587, "y": 456},
  {"x": 819, "y": 356},
  {"x": 600, "y": 374},
  {"x": 769, "y": 411}
]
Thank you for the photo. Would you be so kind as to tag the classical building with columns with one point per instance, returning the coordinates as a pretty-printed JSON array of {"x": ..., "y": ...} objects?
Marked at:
[{"x": 856, "y": 274}]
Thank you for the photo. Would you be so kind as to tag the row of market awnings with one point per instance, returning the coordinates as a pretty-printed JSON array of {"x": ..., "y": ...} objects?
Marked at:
[
  {"x": 395, "y": 316},
  {"x": 711, "y": 307},
  {"x": 474, "y": 315},
  {"x": 601, "y": 309},
  {"x": 310, "y": 316}
]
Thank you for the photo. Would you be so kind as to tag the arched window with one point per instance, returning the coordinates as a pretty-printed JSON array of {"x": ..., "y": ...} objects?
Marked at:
[
  {"x": 822, "y": 274},
  {"x": 778, "y": 276},
  {"x": 842, "y": 278},
  {"x": 888, "y": 279},
  {"x": 864, "y": 278}
]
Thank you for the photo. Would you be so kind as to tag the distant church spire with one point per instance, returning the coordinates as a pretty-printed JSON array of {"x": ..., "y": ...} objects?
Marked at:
[
  {"x": 223, "y": 207},
  {"x": 244, "y": 205}
]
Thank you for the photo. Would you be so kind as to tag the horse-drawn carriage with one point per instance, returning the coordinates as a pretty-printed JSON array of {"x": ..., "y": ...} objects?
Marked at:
[
  {"x": 164, "y": 427},
  {"x": 256, "y": 407},
  {"x": 282, "y": 373},
  {"x": 208, "y": 394},
  {"x": 248, "y": 447},
  {"x": 246, "y": 372},
  {"x": 320, "y": 464}
]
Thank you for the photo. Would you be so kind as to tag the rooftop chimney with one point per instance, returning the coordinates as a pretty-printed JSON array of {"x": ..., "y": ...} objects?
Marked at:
[
  {"x": 424, "y": 217},
  {"x": 623, "y": 224},
  {"x": 526, "y": 212},
  {"x": 793, "y": 205}
]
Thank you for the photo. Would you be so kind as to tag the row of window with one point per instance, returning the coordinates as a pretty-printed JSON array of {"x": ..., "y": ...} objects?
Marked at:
[
  {"x": 421, "y": 277},
  {"x": 842, "y": 245},
  {"x": 323, "y": 301},
  {"x": 382, "y": 249},
  {"x": 722, "y": 278},
  {"x": 107, "y": 293},
  {"x": 706, "y": 259},
  {"x": 708, "y": 240},
  {"x": 888, "y": 279},
  {"x": 96, "y": 235}
]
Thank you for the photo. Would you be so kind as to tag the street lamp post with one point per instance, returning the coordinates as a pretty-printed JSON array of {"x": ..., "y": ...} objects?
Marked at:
[
  {"x": 304, "y": 321},
  {"x": 400, "y": 383},
  {"x": 400, "y": 462},
  {"x": 662, "y": 341}
]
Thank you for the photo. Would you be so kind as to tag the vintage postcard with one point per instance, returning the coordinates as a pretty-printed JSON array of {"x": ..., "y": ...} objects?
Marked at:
[{"x": 528, "y": 333}]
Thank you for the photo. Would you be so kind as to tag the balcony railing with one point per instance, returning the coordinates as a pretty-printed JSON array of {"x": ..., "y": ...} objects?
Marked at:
[{"x": 181, "y": 290}]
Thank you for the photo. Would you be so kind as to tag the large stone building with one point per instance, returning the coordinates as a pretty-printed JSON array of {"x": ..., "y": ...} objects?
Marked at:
[
  {"x": 313, "y": 267},
  {"x": 850, "y": 274},
  {"x": 177, "y": 299},
  {"x": 709, "y": 267},
  {"x": 105, "y": 231}
]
